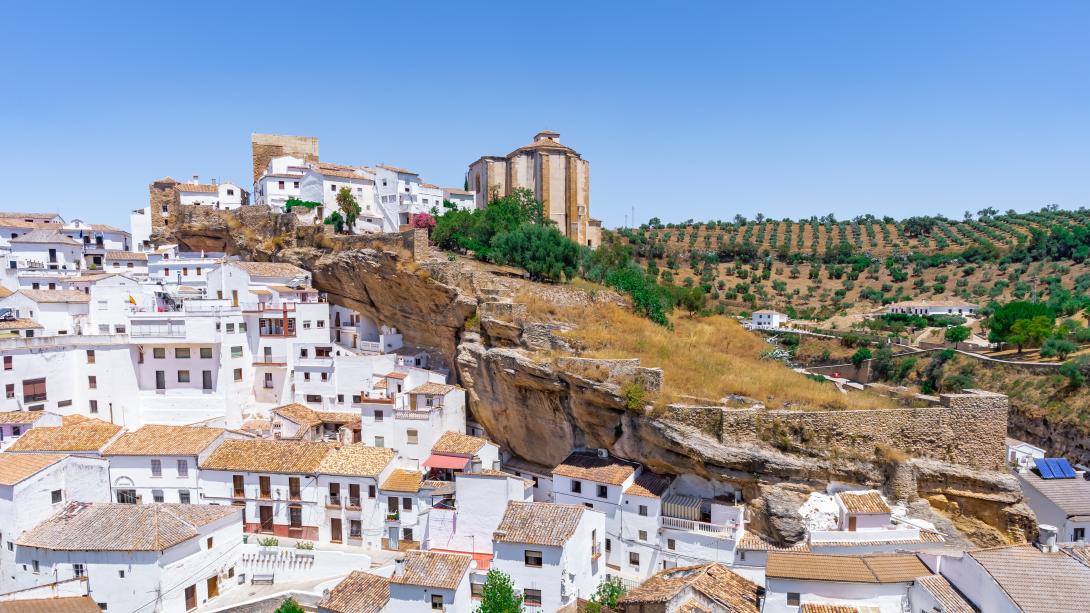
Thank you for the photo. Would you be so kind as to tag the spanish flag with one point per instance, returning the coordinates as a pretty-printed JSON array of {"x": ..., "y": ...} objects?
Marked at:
[{"x": 132, "y": 301}]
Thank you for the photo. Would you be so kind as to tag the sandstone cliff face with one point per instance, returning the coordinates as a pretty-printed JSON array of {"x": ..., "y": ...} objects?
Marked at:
[{"x": 540, "y": 406}]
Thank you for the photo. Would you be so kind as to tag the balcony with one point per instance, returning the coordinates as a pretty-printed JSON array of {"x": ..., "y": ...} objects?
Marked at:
[
  {"x": 352, "y": 503},
  {"x": 698, "y": 527},
  {"x": 317, "y": 362},
  {"x": 276, "y": 332},
  {"x": 333, "y": 501},
  {"x": 270, "y": 360},
  {"x": 239, "y": 494},
  {"x": 164, "y": 330},
  {"x": 267, "y": 307},
  {"x": 265, "y": 495},
  {"x": 393, "y": 518},
  {"x": 295, "y": 496}
]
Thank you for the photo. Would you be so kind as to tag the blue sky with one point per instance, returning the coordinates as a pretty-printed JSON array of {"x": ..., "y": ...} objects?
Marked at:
[{"x": 684, "y": 109}]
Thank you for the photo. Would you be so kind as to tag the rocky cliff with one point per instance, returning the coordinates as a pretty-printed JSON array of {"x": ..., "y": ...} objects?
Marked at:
[{"x": 536, "y": 399}]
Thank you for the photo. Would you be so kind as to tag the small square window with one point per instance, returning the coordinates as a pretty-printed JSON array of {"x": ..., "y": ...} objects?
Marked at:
[
  {"x": 157, "y": 495},
  {"x": 181, "y": 353},
  {"x": 643, "y": 510},
  {"x": 56, "y": 496},
  {"x": 437, "y": 602},
  {"x": 532, "y": 558},
  {"x": 633, "y": 558},
  {"x": 183, "y": 496},
  {"x": 603, "y": 491},
  {"x": 206, "y": 352},
  {"x": 793, "y": 599},
  {"x": 643, "y": 535},
  {"x": 159, "y": 353},
  {"x": 670, "y": 544},
  {"x": 236, "y": 352},
  {"x": 183, "y": 376},
  {"x": 238, "y": 374},
  {"x": 92, "y": 382},
  {"x": 576, "y": 486}
]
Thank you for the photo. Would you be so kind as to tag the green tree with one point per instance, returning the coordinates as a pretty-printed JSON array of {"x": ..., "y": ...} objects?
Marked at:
[
  {"x": 350, "y": 209},
  {"x": 499, "y": 594},
  {"x": 290, "y": 606},
  {"x": 1058, "y": 348},
  {"x": 861, "y": 355},
  {"x": 693, "y": 300},
  {"x": 882, "y": 366},
  {"x": 543, "y": 251},
  {"x": 957, "y": 334},
  {"x": 1077, "y": 371},
  {"x": 1001, "y": 322},
  {"x": 606, "y": 596},
  {"x": 1031, "y": 332}
]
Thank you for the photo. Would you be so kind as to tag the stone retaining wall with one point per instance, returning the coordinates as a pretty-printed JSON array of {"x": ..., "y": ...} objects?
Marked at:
[{"x": 968, "y": 428}]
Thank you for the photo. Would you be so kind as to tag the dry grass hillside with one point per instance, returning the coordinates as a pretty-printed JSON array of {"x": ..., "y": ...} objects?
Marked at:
[{"x": 704, "y": 359}]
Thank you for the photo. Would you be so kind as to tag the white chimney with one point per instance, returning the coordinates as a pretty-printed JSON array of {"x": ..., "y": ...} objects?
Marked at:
[
  {"x": 399, "y": 567},
  {"x": 1046, "y": 538},
  {"x": 196, "y": 179}
]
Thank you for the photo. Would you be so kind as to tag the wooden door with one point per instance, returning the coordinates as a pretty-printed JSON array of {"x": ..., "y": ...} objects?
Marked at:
[
  {"x": 335, "y": 533},
  {"x": 266, "y": 518},
  {"x": 191, "y": 598},
  {"x": 213, "y": 587},
  {"x": 851, "y": 524}
]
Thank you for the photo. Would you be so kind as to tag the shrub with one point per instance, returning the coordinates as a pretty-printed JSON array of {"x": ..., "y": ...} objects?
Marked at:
[
  {"x": 860, "y": 356},
  {"x": 304, "y": 545},
  {"x": 422, "y": 221},
  {"x": 269, "y": 541},
  {"x": 1077, "y": 371},
  {"x": 290, "y": 606},
  {"x": 1058, "y": 348},
  {"x": 635, "y": 396}
]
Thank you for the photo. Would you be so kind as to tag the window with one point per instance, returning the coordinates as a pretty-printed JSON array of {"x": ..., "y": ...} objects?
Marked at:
[
  {"x": 9, "y": 390},
  {"x": 643, "y": 535},
  {"x": 793, "y": 599},
  {"x": 268, "y": 381},
  {"x": 295, "y": 184},
  {"x": 92, "y": 382},
  {"x": 1079, "y": 534},
  {"x": 370, "y": 491},
  {"x": 306, "y": 376},
  {"x": 36, "y": 567},
  {"x": 230, "y": 192},
  {"x": 380, "y": 442},
  {"x": 64, "y": 403},
  {"x": 121, "y": 574},
  {"x": 119, "y": 329},
  {"x": 576, "y": 486},
  {"x": 181, "y": 353},
  {"x": 242, "y": 327},
  {"x": 633, "y": 558},
  {"x": 90, "y": 356},
  {"x": 34, "y": 390},
  {"x": 78, "y": 570},
  {"x": 159, "y": 353},
  {"x": 7, "y": 362},
  {"x": 157, "y": 495},
  {"x": 126, "y": 496},
  {"x": 340, "y": 398},
  {"x": 531, "y": 597},
  {"x": 16, "y": 430},
  {"x": 56, "y": 496},
  {"x": 230, "y": 330},
  {"x": 333, "y": 188},
  {"x": 92, "y": 405},
  {"x": 238, "y": 374},
  {"x": 670, "y": 544},
  {"x": 314, "y": 398},
  {"x": 532, "y": 558},
  {"x": 603, "y": 491},
  {"x": 280, "y": 184},
  {"x": 320, "y": 323},
  {"x": 355, "y": 528},
  {"x": 183, "y": 496},
  {"x": 643, "y": 510},
  {"x": 437, "y": 602},
  {"x": 183, "y": 468},
  {"x": 411, "y": 437},
  {"x": 206, "y": 352},
  {"x": 208, "y": 543},
  {"x": 156, "y": 468},
  {"x": 183, "y": 376},
  {"x": 378, "y": 415},
  {"x": 236, "y": 352},
  {"x": 407, "y": 503}
]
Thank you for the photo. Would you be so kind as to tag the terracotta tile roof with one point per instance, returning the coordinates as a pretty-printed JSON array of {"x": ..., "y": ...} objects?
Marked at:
[
  {"x": 106, "y": 526},
  {"x": 21, "y": 417},
  {"x": 1078, "y": 552},
  {"x": 256, "y": 425},
  {"x": 126, "y": 256},
  {"x": 55, "y": 295},
  {"x": 14, "y": 467},
  {"x": 359, "y": 592},
  {"x": 863, "y": 502},
  {"x": 587, "y": 465},
  {"x": 457, "y": 192},
  {"x": 25, "y": 215},
  {"x": 380, "y": 384},
  {"x": 356, "y": 461},
  {"x": 343, "y": 174},
  {"x": 821, "y": 607},
  {"x": 429, "y": 569},
  {"x": 1072, "y": 496},
  {"x": 299, "y": 414},
  {"x": 45, "y": 237},
  {"x": 22, "y": 224},
  {"x": 164, "y": 440},
  {"x": 884, "y": 568},
  {"x": 101, "y": 227},
  {"x": 1021, "y": 570},
  {"x": 649, "y": 485},
  {"x": 538, "y": 523},
  {"x": 940, "y": 589},
  {"x": 396, "y": 375},
  {"x": 458, "y": 443},
  {"x": 491, "y": 472},
  {"x": 204, "y": 188},
  {"x": 715, "y": 581},
  {"x": 545, "y": 143},
  {"x": 84, "y": 436},
  {"x": 19, "y": 324},
  {"x": 402, "y": 480},
  {"x": 270, "y": 269},
  {"x": 70, "y": 604},
  {"x": 75, "y": 418},
  {"x": 268, "y": 456},
  {"x": 926, "y": 536},
  {"x": 5, "y": 292},
  {"x": 433, "y": 388},
  {"x": 754, "y": 542},
  {"x": 398, "y": 170},
  {"x": 342, "y": 418}
]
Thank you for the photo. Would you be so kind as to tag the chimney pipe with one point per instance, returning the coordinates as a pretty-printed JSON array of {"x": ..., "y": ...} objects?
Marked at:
[
  {"x": 196, "y": 179},
  {"x": 399, "y": 567},
  {"x": 1046, "y": 538}
]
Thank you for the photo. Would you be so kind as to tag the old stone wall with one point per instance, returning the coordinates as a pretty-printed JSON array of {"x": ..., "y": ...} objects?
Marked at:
[
  {"x": 163, "y": 193},
  {"x": 968, "y": 428}
]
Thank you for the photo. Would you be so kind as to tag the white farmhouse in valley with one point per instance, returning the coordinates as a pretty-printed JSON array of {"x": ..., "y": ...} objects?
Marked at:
[
  {"x": 768, "y": 319},
  {"x": 139, "y": 558},
  {"x": 933, "y": 307},
  {"x": 552, "y": 552}
]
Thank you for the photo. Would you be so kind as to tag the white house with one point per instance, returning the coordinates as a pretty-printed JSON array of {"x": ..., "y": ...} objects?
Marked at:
[
  {"x": 128, "y": 262},
  {"x": 158, "y": 463},
  {"x": 137, "y": 558},
  {"x": 225, "y": 196},
  {"x": 708, "y": 587},
  {"x": 1016, "y": 578},
  {"x": 297, "y": 421},
  {"x": 865, "y": 523},
  {"x": 1059, "y": 499},
  {"x": 552, "y": 552},
  {"x": 768, "y": 319},
  {"x": 881, "y": 582},
  {"x": 280, "y": 181},
  {"x": 1020, "y": 454},
  {"x": 933, "y": 307},
  {"x": 349, "y": 478},
  {"x": 460, "y": 198},
  {"x": 322, "y": 182},
  {"x": 406, "y": 502},
  {"x": 454, "y": 453},
  {"x": 82, "y": 436},
  {"x": 426, "y": 580},
  {"x": 35, "y": 486},
  {"x": 14, "y": 423},
  {"x": 466, "y": 522}
]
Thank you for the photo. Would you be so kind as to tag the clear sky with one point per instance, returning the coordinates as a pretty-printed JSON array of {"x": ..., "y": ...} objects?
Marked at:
[{"x": 683, "y": 109}]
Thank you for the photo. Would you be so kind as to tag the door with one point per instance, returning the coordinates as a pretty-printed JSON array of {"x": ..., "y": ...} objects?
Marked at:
[
  {"x": 206, "y": 377},
  {"x": 354, "y": 495},
  {"x": 52, "y": 256},
  {"x": 335, "y": 533},
  {"x": 851, "y": 524},
  {"x": 213, "y": 586},
  {"x": 234, "y": 297},
  {"x": 392, "y": 539},
  {"x": 266, "y": 518},
  {"x": 191, "y": 598},
  {"x": 160, "y": 380}
]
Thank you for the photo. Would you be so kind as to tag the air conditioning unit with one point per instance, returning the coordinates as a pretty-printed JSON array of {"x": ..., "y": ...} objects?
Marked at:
[{"x": 602, "y": 453}]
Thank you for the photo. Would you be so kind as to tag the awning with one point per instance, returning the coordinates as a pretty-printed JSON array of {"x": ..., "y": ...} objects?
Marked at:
[
  {"x": 682, "y": 507},
  {"x": 446, "y": 461}
]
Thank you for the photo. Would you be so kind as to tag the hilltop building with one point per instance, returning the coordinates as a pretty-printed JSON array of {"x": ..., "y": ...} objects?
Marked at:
[{"x": 556, "y": 174}]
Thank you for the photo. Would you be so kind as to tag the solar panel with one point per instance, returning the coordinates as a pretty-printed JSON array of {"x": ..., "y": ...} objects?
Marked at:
[{"x": 1054, "y": 468}]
